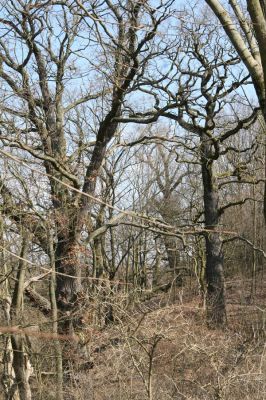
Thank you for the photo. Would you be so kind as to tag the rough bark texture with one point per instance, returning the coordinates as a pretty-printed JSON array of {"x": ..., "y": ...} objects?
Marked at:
[{"x": 215, "y": 301}]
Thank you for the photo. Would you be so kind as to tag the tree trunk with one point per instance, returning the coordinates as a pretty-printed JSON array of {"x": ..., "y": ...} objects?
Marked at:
[
  {"x": 69, "y": 250},
  {"x": 172, "y": 255},
  {"x": 98, "y": 258},
  {"x": 215, "y": 301},
  {"x": 17, "y": 300},
  {"x": 264, "y": 203},
  {"x": 22, "y": 366},
  {"x": 17, "y": 364},
  {"x": 21, "y": 362},
  {"x": 57, "y": 344}
]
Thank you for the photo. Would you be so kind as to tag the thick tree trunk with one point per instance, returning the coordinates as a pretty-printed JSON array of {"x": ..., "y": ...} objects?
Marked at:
[
  {"x": 68, "y": 277},
  {"x": 264, "y": 205},
  {"x": 69, "y": 252},
  {"x": 215, "y": 301}
]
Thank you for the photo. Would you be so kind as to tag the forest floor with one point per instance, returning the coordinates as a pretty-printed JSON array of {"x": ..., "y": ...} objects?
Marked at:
[{"x": 163, "y": 350}]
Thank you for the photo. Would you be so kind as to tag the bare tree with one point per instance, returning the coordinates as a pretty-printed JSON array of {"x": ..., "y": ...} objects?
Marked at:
[
  {"x": 245, "y": 26},
  {"x": 38, "y": 76},
  {"x": 166, "y": 175},
  {"x": 198, "y": 89}
]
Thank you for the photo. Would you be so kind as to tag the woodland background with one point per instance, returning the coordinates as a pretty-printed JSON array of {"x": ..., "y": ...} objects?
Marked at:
[{"x": 132, "y": 199}]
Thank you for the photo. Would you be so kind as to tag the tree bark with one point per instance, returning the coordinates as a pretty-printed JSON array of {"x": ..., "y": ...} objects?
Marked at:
[
  {"x": 17, "y": 364},
  {"x": 22, "y": 367},
  {"x": 215, "y": 301},
  {"x": 57, "y": 344},
  {"x": 17, "y": 300}
]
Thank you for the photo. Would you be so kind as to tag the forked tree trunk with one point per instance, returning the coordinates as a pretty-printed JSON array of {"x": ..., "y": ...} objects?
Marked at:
[{"x": 69, "y": 253}]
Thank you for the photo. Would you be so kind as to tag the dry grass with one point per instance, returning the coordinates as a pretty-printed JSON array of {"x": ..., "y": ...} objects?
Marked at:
[
  {"x": 160, "y": 349},
  {"x": 165, "y": 351}
]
